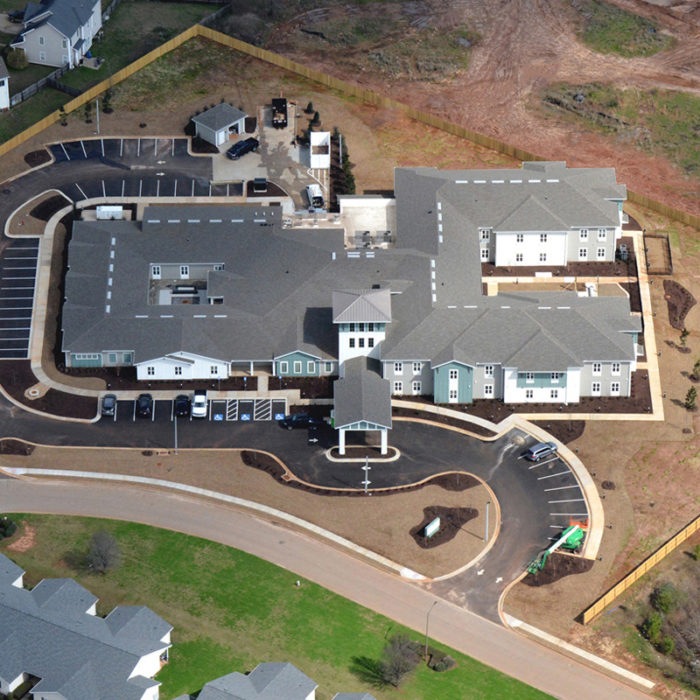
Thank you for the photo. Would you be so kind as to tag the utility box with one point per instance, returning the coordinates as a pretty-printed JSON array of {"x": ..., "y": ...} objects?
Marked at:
[{"x": 107, "y": 212}]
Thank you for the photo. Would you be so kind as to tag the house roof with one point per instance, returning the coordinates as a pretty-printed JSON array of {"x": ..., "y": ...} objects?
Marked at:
[
  {"x": 267, "y": 681},
  {"x": 9, "y": 571},
  {"x": 4, "y": 73},
  {"x": 47, "y": 632},
  {"x": 362, "y": 306},
  {"x": 219, "y": 117},
  {"x": 361, "y": 395},
  {"x": 66, "y": 16}
]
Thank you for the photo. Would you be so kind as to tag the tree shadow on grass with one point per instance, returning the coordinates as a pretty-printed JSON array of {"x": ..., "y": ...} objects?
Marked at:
[
  {"x": 368, "y": 670},
  {"x": 76, "y": 561}
]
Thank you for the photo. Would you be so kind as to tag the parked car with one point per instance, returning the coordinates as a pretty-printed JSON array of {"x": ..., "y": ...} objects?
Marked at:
[
  {"x": 109, "y": 404},
  {"x": 240, "y": 148},
  {"x": 144, "y": 405},
  {"x": 182, "y": 405},
  {"x": 540, "y": 451},
  {"x": 298, "y": 420},
  {"x": 16, "y": 16},
  {"x": 199, "y": 404}
]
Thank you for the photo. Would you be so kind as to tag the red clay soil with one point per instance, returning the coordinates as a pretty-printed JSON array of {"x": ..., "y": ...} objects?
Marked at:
[
  {"x": 451, "y": 522},
  {"x": 37, "y": 158},
  {"x": 679, "y": 302},
  {"x": 565, "y": 431},
  {"x": 10, "y": 446},
  {"x": 557, "y": 566}
]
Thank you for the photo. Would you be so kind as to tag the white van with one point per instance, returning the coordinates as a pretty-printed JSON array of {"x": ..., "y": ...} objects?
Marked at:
[{"x": 315, "y": 197}]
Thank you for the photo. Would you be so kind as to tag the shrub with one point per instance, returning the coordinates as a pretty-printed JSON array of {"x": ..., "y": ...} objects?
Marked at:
[
  {"x": 104, "y": 553},
  {"x": 666, "y": 645},
  {"x": 651, "y": 627},
  {"x": 665, "y": 598},
  {"x": 309, "y": 108},
  {"x": 690, "y": 398},
  {"x": 399, "y": 657},
  {"x": 17, "y": 59},
  {"x": 7, "y": 527}
]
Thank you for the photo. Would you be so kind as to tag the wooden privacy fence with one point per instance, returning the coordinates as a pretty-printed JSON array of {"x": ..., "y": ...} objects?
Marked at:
[
  {"x": 594, "y": 610},
  {"x": 330, "y": 81}
]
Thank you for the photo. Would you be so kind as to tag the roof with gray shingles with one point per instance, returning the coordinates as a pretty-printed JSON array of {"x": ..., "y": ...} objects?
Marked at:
[
  {"x": 4, "y": 73},
  {"x": 9, "y": 571},
  {"x": 362, "y": 306},
  {"x": 219, "y": 117},
  {"x": 267, "y": 681},
  {"x": 66, "y": 16},
  {"x": 47, "y": 632},
  {"x": 361, "y": 395}
]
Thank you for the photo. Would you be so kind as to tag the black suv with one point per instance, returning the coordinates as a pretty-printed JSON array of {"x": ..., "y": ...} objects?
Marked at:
[
  {"x": 109, "y": 404},
  {"x": 242, "y": 147},
  {"x": 182, "y": 405},
  {"x": 299, "y": 420},
  {"x": 144, "y": 405}
]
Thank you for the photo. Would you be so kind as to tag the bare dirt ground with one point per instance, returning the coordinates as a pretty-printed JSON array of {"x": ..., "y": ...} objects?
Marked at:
[{"x": 25, "y": 541}]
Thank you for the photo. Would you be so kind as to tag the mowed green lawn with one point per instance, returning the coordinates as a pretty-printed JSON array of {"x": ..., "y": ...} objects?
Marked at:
[{"x": 232, "y": 611}]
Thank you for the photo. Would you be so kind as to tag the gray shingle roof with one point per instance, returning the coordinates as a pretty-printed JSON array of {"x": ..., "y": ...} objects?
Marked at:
[
  {"x": 267, "y": 681},
  {"x": 362, "y": 306},
  {"x": 47, "y": 633},
  {"x": 219, "y": 117},
  {"x": 361, "y": 395},
  {"x": 66, "y": 16},
  {"x": 4, "y": 73},
  {"x": 9, "y": 571}
]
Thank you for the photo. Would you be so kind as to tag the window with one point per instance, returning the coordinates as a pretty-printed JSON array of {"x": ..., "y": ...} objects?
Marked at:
[
  {"x": 488, "y": 391},
  {"x": 555, "y": 376},
  {"x": 554, "y": 393},
  {"x": 64, "y": 44},
  {"x": 583, "y": 234},
  {"x": 353, "y": 327},
  {"x": 529, "y": 376},
  {"x": 398, "y": 367},
  {"x": 213, "y": 370},
  {"x": 518, "y": 257},
  {"x": 155, "y": 272},
  {"x": 485, "y": 254},
  {"x": 583, "y": 253},
  {"x": 488, "y": 370},
  {"x": 113, "y": 358},
  {"x": 178, "y": 371},
  {"x": 417, "y": 367},
  {"x": 351, "y": 342},
  {"x": 284, "y": 367},
  {"x": 416, "y": 388},
  {"x": 543, "y": 238},
  {"x": 485, "y": 234},
  {"x": 42, "y": 40},
  {"x": 150, "y": 371},
  {"x": 595, "y": 388},
  {"x": 184, "y": 271},
  {"x": 602, "y": 234},
  {"x": 128, "y": 357},
  {"x": 454, "y": 374},
  {"x": 219, "y": 267},
  {"x": 615, "y": 389},
  {"x": 529, "y": 393},
  {"x": 519, "y": 237},
  {"x": 311, "y": 367},
  {"x": 600, "y": 253},
  {"x": 361, "y": 342},
  {"x": 328, "y": 367},
  {"x": 543, "y": 257},
  {"x": 597, "y": 368},
  {"x": 398, "y": 387},
  {"x": 42, "y": 55},
  {"x": 297, "y": 366},
  {"x": 453, "y": 394},
  {"x": 370, "y": 342},
  {"x": 615, "y": 369}
]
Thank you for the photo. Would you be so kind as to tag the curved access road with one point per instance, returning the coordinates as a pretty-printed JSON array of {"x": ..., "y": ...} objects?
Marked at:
[{"x": 339, "y": 572}]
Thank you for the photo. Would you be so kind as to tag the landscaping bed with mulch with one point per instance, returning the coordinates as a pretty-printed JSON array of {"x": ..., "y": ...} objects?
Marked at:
[
  {"x": 11, "y": 446},
  {"x": 565, "y": 431},
  {"x": 556, "y": 567},
  {"x": 46, "y": 209},
  {"x": 37, "y": 158},
  {"x": 309, "y": 387},
  {"x": 451, "y": 522},
  {"x": 635, "y": 296},
  {"x": 679, "y": 302},
  {"x": 463, "y": 423},
  {"x": 272, "y": 190}
]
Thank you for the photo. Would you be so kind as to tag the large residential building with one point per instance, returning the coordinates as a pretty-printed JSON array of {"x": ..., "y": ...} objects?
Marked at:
[
  {"x": 206, "y": 291},
  {"x": 52, "y": 637}
]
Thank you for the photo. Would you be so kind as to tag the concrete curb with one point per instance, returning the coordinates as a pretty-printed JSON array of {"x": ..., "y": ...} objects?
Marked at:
[
  {"x": 403, "y": 571},
  {"x": 604, "y": 664}
]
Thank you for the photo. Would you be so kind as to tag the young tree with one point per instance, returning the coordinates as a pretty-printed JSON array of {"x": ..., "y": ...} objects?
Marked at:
[
  {"x": 107, "y": 102},
  {"x": 103, "y": 553},
  {"x": 684, "y": 336},
  {"x": 695, "y": 374},
  {"x": 398, "y": 658},
  {"x": 309, "y": 108},
  {"x": 690, "y": 398},
  {"x": 17, "y": 59}
]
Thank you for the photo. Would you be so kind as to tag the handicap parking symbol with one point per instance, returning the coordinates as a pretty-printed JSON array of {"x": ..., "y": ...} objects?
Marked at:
[
  {"x": 279, "y": 416},
  {"x": 218, "y": 416},
  {"x": 245, "y": 416}
]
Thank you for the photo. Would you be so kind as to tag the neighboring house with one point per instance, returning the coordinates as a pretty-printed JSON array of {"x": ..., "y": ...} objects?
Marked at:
[
  {"x": 4, "y": 86},
  {"x": 58, "y": 32},
  {"x": 204, "y": 291},
  {"x": 52, "y": 637},
  {"x": 219, "y": 124}
]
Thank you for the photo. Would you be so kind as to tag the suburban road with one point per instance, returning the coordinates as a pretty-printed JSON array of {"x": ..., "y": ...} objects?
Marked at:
[{"x": 389, "y": 595}]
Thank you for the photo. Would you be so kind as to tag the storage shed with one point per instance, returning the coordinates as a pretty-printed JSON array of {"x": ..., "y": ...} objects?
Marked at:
[{"x": 219, "y": 124}]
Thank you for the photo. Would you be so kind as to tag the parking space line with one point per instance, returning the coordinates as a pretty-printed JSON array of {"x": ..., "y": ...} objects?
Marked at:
[
  {"x": 549, "y": 476},
  {"x": 158, "y": 188},
  {"x": 123, "y": 184},
  {"x": 82, "y": 145},
  {"x": 172, "y": 409},
  {"x": 133, "y": 417},
  {"x": 104, "y": 191},
  {"x": 121, "y": 147},
  {"x": 102, "y": 144},
  {"x": 138, "y": 149},
  {"x": 210, "y": 189},
  {"x": 561, "y": 488},
  {"x": 153, "y": 410},
  {"x": 192, "y": 195},
  {"x": 172, "y": 150},
  {"x": 542, "y": 463},
  {"x": 569, "y": 500},
  {"x": 175, "y": 190},
  {"x": 155, "y": 147},
  {"x": 81, "y": 190},
  {"x": 65, "y": 151}
]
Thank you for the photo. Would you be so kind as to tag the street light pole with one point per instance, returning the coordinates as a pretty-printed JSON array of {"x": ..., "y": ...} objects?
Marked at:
[
  {"x": 175, "y": 423},
  {"x": 427, "y": 623},
  {"x": 486, "y": 527}
]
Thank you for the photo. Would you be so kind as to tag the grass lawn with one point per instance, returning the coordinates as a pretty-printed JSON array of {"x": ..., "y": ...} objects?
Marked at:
[
  {"x": 232, "y": 611},
  {"x": 609, "y": 29},
  {"x": 30, "y": 111},
  {"x": 21, "y": 79}
]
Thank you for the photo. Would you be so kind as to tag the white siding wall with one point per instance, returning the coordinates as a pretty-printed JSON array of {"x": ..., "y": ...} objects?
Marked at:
[
  {"x": 508, "y": 248},
  {"x": 345, "y": 352},
  {"x": 148, "y": 665},
  {"x": 4, "y": 94},
  {"x": 167, "y": 368},
  {"x": 512, "y": 393},
  {"x": 7, "y": 686}
]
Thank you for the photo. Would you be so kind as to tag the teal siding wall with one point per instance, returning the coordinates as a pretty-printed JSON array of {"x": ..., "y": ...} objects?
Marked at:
[
  {"x": 441, "y": 383},
  {"x": 299, "y": 357},
  {"x": 74, "y": 362},
  {"x": 542, "y": 380}
]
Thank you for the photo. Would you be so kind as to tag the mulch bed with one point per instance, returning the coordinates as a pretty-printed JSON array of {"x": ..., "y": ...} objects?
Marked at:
[
  {"x": 451, "y": 522},
  {"x": 444, "y": 420},
  {"x": 635, "y": 297},
  {"x": 272, "y": 190},
  {"x": 37, "y": 158},
  {"x": 251, "y": 124},
  {"x": 11, "y": 446},
  {"x": 258, "y": 460},
  {"x": 16, "y": 377},
  {"x": 556, "y": 567},
  {"x": 309, "y": 387},
  {"x": 565, "y": 431},
  {"x": 201, "y": 146},
  {"x": 46, "y": 209},
  {"x": 679, "y": 302}
]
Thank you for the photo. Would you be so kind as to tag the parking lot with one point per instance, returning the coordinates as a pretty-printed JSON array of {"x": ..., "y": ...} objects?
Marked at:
[
  {"x": 145, "y": 152},
  {"x": 17, "y": 281}
]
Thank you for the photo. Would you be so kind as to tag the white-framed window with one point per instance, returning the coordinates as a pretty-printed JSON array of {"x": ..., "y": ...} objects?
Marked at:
[
  {"x": 543, "y": 238},
  {"x": 42, "y": 40},
  {"x": 485, "y": 254},
  {"x": 529, "y": 393},
  {"x": 42, "y": 55},
  {"x": 417, "y": 367},
  {"x": 416, "y": 387},
  {"x": 488, "y": 391},
  {"x": 150, "y": 371},
  {"x": 453, "y": 394},
  {"x": 218, "y": 267},
  {"x": 178, "y": 371},
  {"x": 360, "y": 342},
  {"x": 351, "y": 342},
  {"x": 543, "y": 257},
  {"x": 595, "y": 388},
  {"x": 615, "y": 369},
  {"x": 155, "y": 272},
  {"x": 398, "y": 367},
  {"x": 518, "y": 257},
  {"x": 583, "y": 235},
  {"x": 583, "y": 253},
  {"x": 370, "y": 342},
  {"x": 519, "y": 237},
  {"x": 213, "y": 370},
  {"x": 602, "y": 234},
  {"x": 398, "y": 387},
  {"x": 488, "y": 371},
  {"x": 297, "y": 366},
  {"x": 184, "y": 271},
  {"x": 311, "y": 367},
  {"x": 529, "y": 376},
  {"x": 328, "y": 367},
  {"x": 87, "y": 356},
  {"x": 554, "y": 393},
  {"x": 555, "y": 376},
  {"x": 615, "y": 389},
  {"x": 454, "y": 374},
  {"x": 600, "y": 253},
  {"x": 597, "y": 369},
  {"x": 64, "y": 44},
  {"x": 284, "y": 367},
  {"x": 485, "y": 234}
]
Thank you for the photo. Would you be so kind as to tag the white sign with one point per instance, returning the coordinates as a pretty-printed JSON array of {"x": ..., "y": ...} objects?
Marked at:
[{"x": 432, "y": 527}]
